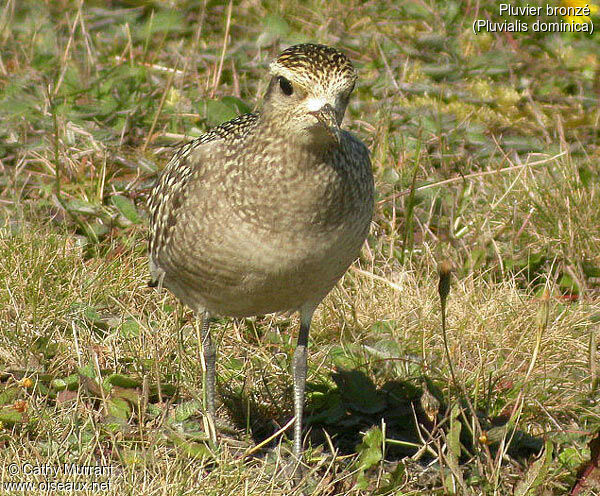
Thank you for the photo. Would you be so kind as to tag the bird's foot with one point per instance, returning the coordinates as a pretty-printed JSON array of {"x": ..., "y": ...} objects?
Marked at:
[
  {"x": 289, "y": 469},
  {"x": 220, "y": 430}
]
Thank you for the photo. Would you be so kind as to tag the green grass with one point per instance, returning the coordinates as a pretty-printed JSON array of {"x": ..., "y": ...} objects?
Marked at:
[{"x": 485, "y": 151}]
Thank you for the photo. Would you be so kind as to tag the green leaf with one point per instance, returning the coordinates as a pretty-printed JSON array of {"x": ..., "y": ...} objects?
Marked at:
[
  {"x": 190, "y": 448},
  {"x": 394, "y": 480},
  {"x": 7, "y": 397},
  {"x": 414, "y": 10},
  {"x": 58, "y": 384},
  {"x": 522, "y": 144},
  {"x": 343, "y": 358},
  {"x": 370, "y": 449},
  {"x": 70, "y": 382},
  {"x": 130, "y": 395},
  {"x": 275, "y": 27},
  {"x": 119, "y": 408},
  {"x": 328, "y": 407},
  {"x": 99, "y": 229},
  {"x": 476, "y": 259},
  {"x": 590, "y": 270},
  {"x": 165, "y": 389},
  {"x": 238, "y": 104},
  {"x": 453, "y": 455},
  {"x": 585, "y": 175},
  {"x": 163, "y": 21},
  {"x": 115, "y": 424},
  {"x": 566, "y": 283},
  {"x": 536, "y": 473},
  {"x": 454, "y": 434},
  {"x": 277, "y": 24},
  {"x": 87, "y": 371},
  {"x": 130, "y": 329},
  {"x": 390, "y": 175},
  {"x": 10, "y": 416},
  {"x": 385, "y": 349},
  {"x": 93, "y": 318},
  {"x": 384, "y": 327},
  {"x": 438, "y": 72},
  {"x": 127, "y": 208},
  {"x": 123, "y": 381},
  {"x": 218, "y": 112},
  {"x": 187, "y": 409},
  {"x": 571, "y": 457},
  {"x": 234, "y": 364},
  {"x": 17, "y": 105},
  {"x": 80, "y": 206}
]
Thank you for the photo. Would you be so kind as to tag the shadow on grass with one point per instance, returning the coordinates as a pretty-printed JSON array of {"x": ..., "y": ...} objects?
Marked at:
[{"x": 344, "y": 412}]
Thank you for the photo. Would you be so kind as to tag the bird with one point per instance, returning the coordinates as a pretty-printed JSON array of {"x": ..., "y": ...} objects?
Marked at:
[{"x": 266, "y": 212}]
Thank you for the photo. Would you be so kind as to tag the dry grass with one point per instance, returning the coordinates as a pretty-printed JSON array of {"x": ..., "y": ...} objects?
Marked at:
[{"x": 485, "y": 151}]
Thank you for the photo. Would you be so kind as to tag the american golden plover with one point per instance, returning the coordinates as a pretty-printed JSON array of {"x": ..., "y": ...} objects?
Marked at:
[{"x": 266, "y": 212}]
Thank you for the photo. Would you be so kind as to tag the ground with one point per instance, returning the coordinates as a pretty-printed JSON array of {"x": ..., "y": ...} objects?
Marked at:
[{"x": 485, "y": 149}]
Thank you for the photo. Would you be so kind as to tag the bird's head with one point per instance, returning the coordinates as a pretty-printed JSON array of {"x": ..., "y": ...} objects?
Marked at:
[{"x": 309, "y": 92}]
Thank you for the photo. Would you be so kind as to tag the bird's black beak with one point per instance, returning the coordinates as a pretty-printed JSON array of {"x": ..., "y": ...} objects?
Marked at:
[{"x": 327, "y": 116}]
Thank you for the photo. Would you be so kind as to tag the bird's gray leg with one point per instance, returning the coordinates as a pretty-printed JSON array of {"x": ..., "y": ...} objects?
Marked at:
[
  {"x": 299, "y": 370},
  {"x": 209, "y": 355}
]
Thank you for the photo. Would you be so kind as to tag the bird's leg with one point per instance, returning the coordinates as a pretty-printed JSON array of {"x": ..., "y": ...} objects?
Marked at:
[
  {"x": 209, "y": 355},
  {"x": 299, "y": 370}
]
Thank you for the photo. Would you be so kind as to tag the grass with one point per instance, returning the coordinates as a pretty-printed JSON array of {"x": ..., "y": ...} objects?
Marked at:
[{"x": 485, "y": 151}]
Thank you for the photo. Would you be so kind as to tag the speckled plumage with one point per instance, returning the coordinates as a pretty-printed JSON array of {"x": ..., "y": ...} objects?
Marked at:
[
  {"x": 266, "y": 212},
  {"x": 165, "y": 200}
]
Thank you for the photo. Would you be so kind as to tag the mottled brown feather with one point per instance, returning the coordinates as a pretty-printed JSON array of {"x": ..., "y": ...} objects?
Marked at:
[{"x": 252, "y": 218}]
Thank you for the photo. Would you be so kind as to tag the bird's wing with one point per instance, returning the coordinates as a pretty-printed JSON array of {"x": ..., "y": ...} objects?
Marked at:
[{"x": 168, "y": 192}]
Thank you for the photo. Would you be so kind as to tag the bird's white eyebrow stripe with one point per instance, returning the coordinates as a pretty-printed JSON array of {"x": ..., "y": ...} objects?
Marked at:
[{"x": 314, "y": 104}]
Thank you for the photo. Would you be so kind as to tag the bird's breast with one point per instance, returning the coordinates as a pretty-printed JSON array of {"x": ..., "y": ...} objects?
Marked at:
[
  {"x": 274, "y": 230},
  {"x": 286, "y": 188}
]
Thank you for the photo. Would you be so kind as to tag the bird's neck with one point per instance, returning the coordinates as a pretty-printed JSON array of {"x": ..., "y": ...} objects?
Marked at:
[{"x": 313, "y": 139}]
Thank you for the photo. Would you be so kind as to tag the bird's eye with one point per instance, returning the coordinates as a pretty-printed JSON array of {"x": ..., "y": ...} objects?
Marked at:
[{"x": 285, "y": 86}]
